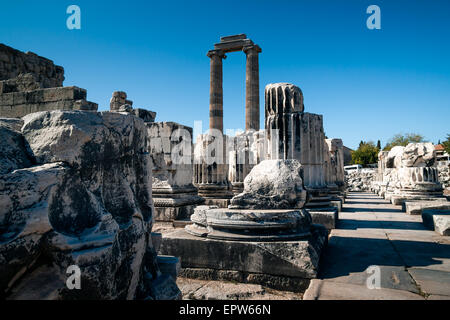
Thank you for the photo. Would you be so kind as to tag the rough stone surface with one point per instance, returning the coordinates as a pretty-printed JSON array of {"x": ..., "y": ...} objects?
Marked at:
[
  {"x": 14, "y": 63},
  {"x": 20, "y": 103},
  {"x": 195, "y": 289},
  {"x": 296, "y": 259},
  {"x": 444, "y": 176},
  {"x": 437, "y": 220},
  {"x": 416, "y": 207},
  {"x": 14, "y": 150},
  {"x": 418, "y": 155},
  {"x": 87, "y": 202},
  {"x": 360, "y": 180},
  {"x": 174, "y": 194},
  {"x": 272, "y": 184}
]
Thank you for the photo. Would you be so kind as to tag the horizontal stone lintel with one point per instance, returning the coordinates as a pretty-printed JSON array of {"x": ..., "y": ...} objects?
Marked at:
[
  {"x": 232, "y": 46},
  {"x": 241, "y": 36}
]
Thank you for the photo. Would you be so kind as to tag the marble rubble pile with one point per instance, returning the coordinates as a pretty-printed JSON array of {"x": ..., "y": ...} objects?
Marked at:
[{"x": 360, "y": 180}]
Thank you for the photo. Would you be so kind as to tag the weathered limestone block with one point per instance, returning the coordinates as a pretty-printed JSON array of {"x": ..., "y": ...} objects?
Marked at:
[
  {"x": 119, "y": 103},
  {"x": 211, "y": 169},
  {"x": 245, "y": 150},
  {"x": 23, "y": 82},
  {"x": 19, "y": 104},
  {"x": 335, "y": 171},
  {"x": 254, "y": 262},
  {"x": 24, "y": 222},
  {"x": 416, "y": 207},
  {"x": 87, "y": 203},
  {"x": 272, "y": 184},
  {"x": 326, "y": 217},
  {"x": 118, "y": 99},
  {"x": 170, "y": 146},
  {"x": 14, "y": 63},
  {"x": 437, "y": 220},
  {"x": 444, "y": 175},
  {"x": 14, "y": 151},
  {"x": 418, "y": 155}
]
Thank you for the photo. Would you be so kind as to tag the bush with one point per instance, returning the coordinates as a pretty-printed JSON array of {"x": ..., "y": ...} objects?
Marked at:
[{"x": 367, "y": 153}]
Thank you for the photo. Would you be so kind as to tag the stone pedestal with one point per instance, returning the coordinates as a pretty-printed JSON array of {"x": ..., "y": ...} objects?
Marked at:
[
  {"x": 264, "y": 236},
  {"x": 416, "y": 183},
  {"x": 211, "y": 170},
  {"x": 409, "y": 175},
  {"x": 174, "y": 195},
  {"x": 294, "y": 134},
  {"x": 247, "y": 150}
]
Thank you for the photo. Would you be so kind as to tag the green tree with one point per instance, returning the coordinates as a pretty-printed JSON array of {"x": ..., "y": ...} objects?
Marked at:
[
  {"x": 367, "y": 153},
  {"x": 446, "y": 144},
  {"x": 403, "y": 140}
]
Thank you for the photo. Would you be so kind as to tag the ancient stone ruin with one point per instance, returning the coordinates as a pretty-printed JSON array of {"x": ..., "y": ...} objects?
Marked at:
[
  {"x": 134, "y": 203},
  {"x": 75, "y": 190},
  {"x": 30, "y": 83},
  {"x": 265, "y": 226}
]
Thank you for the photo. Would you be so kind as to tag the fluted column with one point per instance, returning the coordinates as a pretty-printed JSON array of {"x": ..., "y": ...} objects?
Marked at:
[
  {"x": 252, "y": 88},
  {"x": 216, "y": 90}
]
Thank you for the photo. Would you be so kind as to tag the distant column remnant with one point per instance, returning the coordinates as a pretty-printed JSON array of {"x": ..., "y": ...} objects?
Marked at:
[
  {"x": 252, "y": 88},
  {"x": 294, "y": 134},
  {"x": 235, "y": 43},
  {"x": 216, "y": 90}
]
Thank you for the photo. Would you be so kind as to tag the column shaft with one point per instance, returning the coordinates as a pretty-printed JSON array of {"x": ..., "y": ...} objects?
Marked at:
[
  {"x": 252, "y": 88},
  {"x": 216, "y": 91}
]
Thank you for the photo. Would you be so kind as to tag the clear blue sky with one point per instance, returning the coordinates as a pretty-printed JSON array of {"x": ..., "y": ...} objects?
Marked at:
[{"x": 368, "y": 84}]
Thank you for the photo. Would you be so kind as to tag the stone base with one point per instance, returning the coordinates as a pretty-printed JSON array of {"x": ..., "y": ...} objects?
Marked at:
[
  {"x": 173, "y": 213},
  {"x": 221, "y": 203},
  {"x": 327, "y": 217},
  {"x": 175, "y": 206},
  {"x": 237, "y": 187},
  {"x": 437, "y": 220},
  {"x": 416, "y": 207},
  {"x": 275, "y": 282},
  {"x": 318, "y": 198},
  {"x": 399, "y": 199},
  {"x": 266, "y": 263}
]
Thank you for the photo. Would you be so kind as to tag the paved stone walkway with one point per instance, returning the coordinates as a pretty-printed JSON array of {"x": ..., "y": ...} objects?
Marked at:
[{"x": 414, "y": 262}]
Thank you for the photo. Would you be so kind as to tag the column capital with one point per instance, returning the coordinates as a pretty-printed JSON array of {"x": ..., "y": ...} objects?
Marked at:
[
  {"x": 218, "y": 53},
  {"x": 252, "y": 48}
]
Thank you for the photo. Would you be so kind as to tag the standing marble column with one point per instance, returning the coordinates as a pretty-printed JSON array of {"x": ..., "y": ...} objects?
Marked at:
[
  {"x": 216, "y": 90},
  {"x": 252, "y": 88}
]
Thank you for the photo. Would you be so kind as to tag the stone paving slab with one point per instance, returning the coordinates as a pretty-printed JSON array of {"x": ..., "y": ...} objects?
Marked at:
[
  {"x": 432, "y": 282},
  {"x": 329, "y": 290},
  {"x": 414, "y": 261}
]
